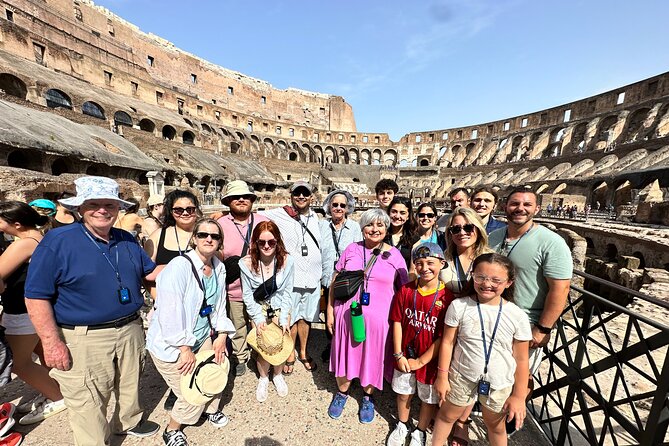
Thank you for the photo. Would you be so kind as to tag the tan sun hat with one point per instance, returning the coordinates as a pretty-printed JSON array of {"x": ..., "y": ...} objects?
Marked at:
[
  {"x": 237, "y": 188},
  {"x": 272, "y": 343},
  {"x": 207, "y": 380},
  {"x": 155, "y": 199}
]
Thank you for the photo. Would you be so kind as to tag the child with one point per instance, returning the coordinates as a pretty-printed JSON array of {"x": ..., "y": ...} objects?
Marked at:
[
  {"x": 491, "y": 353},
  {"x": 416, "y": 314}
]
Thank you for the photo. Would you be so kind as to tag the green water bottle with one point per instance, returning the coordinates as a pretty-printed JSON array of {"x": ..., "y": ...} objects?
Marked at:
[{"x": 357, "y": 322}]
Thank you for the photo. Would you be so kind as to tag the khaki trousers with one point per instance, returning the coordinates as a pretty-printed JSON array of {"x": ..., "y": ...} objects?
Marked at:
[
  {"x": 184, "y": 412},
  {"x": 103, "y": 361},
  {"x": 240, "y": 319}
]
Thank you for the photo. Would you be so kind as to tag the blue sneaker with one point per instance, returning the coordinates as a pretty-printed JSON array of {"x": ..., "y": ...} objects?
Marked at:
[
  {"x": 337, "y": 405},
  {"x": 366, "y": 414}
]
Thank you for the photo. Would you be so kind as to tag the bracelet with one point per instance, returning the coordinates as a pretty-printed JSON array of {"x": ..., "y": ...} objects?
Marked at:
[
  {"x": 439, "y": 369},
  {"x": 398, "y": 355}
]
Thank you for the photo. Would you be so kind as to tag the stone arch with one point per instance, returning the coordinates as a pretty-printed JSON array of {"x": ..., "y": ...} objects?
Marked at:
[
  {"x": 442, "y": 153},
  {"x": 554, "y": 147},
  {"x": 343, "y": 155},
  {"x": 189, "y": 123},
  {"x": 93, "y": 170},
  {"x": 458, "y": 155},
  {"x": 225, "y": 133},
  {"x": 611, "y": 252},
  {"x": 240, "y": 136},
  {"x": 281, "y": 149},
  {"x": 57, "y": 99},
  {"x": 542, "y": 188},
  {"x": 354, "y": 156},
  {"x": 59, "y": 166},
  {"x": 590, "y": 245},
  {"x": 622, "y": 193},
  {"x": 578, "y": 135},
  {"x": 147, "y": 125},
  {"x": 292, "y": 156},
  {"x": 605, "y": 130},
  {"x": 13, "y": 86},
  {"x": 424, "y": 162},
  {"x": 235, "y": 147},
  {"x": 561, "y": 188},
  {"x": 121, "y": 118},
  {"x": 169, "y": 132},
  {"x": 329, "y": 155},
  {"x": 319, "y": 154},
  {"x": 470, "y": 149},
  {"x": 206, "y": 128},
  {"x": 310, "y": 153},
  {"x": 188, "y": 138},
  {"x": 642, "y": 260},
  {"x": 635, "y": 124},
  {"x": 376, "y": 157},
  {"x": 93, "y": 109},
  {"x": 600, "y": 192},
  {"x": 390, "y": 158},
  {"x": 514, "y": 153},
  {"x": 268, "y": 147},
  {"x": 365, "y": 157},
  {"x": 18, "y": 159}
]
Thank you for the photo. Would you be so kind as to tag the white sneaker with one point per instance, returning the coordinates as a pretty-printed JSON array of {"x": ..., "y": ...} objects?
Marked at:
[
  {"x": 261, "y": 390},
  {"x": 45, "y": 410},
  {"x": 418, "y": 438},
  {"x": 398, "y": 437},
  {"x": 31, "y": 405},
  {"x": 280, "y": 384}
]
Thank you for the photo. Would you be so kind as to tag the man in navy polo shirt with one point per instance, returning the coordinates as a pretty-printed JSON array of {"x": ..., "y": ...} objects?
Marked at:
[
  {"x": 483, "y": 201},
  {"x": 83, "y": 296}
]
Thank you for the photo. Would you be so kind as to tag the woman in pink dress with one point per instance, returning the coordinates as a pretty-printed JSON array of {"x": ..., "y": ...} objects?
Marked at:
[{"x": 370, "y": 360}]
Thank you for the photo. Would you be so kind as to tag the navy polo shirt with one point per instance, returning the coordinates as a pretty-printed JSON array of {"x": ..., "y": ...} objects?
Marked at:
[
  {"x": 69, "y": 268},
  {"x": 494, "y": 225}
]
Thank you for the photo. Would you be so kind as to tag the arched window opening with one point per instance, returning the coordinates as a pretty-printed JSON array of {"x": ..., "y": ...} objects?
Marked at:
[
  {"x": 56, "y": 98},
  {"x": 13, "y": 86},
  {"x": 122, "y": 118},
  {"x": 18, "y": 159},
  {"x": 58, "y": 167},
  {"x": 147, "y": 125},
  {"x": 292, "y": 156},
  {"x": 169, "y": 133},
  {"x": 424, "y": 163},
  {"x": 92, "y": 109},
  {"x": 189, "y": 138}
]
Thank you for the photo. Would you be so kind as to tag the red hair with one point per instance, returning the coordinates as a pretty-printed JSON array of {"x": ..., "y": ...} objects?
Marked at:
[{"x": 280, "y": 253}]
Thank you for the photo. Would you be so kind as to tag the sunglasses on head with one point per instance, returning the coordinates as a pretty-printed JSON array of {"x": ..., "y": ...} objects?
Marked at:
[
  {"x": 190, "y": 210},
  {"x": 425, "y": 215},
  {"x": 271, "y": 243},
  {"x": 338, "y": 205},
  {"x": 204, "y": 235},
  {"x": 468, "y": 228}
]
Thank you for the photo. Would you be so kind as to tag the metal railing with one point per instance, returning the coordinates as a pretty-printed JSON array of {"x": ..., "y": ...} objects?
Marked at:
[{"x": 605, "y": 375}]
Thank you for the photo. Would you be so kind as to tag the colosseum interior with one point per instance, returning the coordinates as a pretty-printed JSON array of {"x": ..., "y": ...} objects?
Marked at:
[{"x": 84, "y": 92}]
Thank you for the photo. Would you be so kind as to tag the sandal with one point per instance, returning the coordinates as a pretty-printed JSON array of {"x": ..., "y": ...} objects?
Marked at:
[
  {"x": 308, "y": 363},
  {"x": 460, "y": 434},
  {"x": 289, "y": 368}
]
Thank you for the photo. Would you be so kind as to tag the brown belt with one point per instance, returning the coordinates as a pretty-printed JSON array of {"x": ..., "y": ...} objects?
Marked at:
[{"x": 118, "y": 323}]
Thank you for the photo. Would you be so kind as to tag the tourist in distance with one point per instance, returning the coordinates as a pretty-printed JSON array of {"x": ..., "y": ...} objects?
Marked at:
[
  {"x": 22, "y": 222},
  {"x": 493, "y": 373},
  {"x": 385, "y": 190},
  {"x": 483, "y": 202},
  {"x": 426, "y": 226},
  {"x": 313, "y": 265},
  {"x": 458, "y": 197},
  {"x": 190, "y": 317},
  {"x": 237, "y": 227},
  {"x": 338, "y": 206},
  {"x": 63, "y": 215},
  {"x": 544, "y": 268},
  {"x": 132, "y": 222},
  {"x": 401, "y": 231},
  {"x": 44, "y": 207},
  {"x": 267, "y": 284},
  {"x": 417, "y": 316},
  {"x": 153, "y": 221},
  {"x": 83, "y": 297},
  {"x": 370, "y": 360},
  {"x": 180, "y": 212}
]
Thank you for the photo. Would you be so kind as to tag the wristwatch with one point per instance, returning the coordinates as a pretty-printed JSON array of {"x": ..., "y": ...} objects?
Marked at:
[{"x": 542, "y": 329}]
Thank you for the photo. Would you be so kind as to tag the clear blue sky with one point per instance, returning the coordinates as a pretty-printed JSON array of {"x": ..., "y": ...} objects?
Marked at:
[{"x": 427, "y": 64}]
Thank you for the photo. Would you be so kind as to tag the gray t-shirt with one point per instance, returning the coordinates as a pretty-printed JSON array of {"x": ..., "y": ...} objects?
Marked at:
[{"x": 538, "y": 255}]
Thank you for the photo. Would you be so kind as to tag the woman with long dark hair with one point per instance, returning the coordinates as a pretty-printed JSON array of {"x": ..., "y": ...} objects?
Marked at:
[
  {"x": 401, "y": 231},
  {"x": 267, "y": 281},
  {"x": 22, "y": 222}
]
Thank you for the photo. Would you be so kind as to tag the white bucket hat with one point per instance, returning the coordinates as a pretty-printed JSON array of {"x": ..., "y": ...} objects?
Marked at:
[
  {"x": 94, "y": 188},
  {"x": 236, "y": 188}
]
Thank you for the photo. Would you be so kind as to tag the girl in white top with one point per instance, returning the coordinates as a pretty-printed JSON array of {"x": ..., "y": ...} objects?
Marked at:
[
  {"x": 267, "y": 281},
  {"x": 489, "y": 362}
]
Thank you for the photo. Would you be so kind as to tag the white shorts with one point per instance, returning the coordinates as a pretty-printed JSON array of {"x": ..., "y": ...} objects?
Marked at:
[
  {"x": 307, "y": 304},
  {"x": 406, "y": 384},
  {"x": 535, "y": 358},
  {"x": 17, "y": 324}
]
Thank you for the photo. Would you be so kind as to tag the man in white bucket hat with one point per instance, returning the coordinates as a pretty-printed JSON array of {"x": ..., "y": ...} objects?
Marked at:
[{"x": 83, "y": 296}]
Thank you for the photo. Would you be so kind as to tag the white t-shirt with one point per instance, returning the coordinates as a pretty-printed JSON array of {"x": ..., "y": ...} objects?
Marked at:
[{"x": 468, "y": 358}]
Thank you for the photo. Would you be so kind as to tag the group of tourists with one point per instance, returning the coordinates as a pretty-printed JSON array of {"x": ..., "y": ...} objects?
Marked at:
[{"x": 456, "y": 309}]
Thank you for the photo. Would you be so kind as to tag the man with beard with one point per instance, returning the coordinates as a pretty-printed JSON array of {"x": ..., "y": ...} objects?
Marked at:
[
  {"x": 483, "y": 201},
  {"x": 314, "y": 263},
  {"x": 543, "y": 269},
  {"x": 237, "y": 228}
]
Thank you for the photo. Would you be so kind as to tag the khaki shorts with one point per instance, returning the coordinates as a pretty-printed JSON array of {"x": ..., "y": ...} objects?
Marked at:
[{"x": 464, "y": 393}]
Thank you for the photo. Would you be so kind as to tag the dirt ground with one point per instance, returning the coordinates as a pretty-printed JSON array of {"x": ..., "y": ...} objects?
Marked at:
[{"x": 300, "y": 418}]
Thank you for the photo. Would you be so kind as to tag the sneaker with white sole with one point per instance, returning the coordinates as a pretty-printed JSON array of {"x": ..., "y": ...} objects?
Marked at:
[
  {"x": 262, "y": 389},
  {"x": 175, "y": 438},
  {"x": 6, "y": 417},
  {"x": 418, "y": 438},
  {"x": 217, "y": 419},
  {"x": 45, "y": 410},
  {"x": 280, "y": 384},
  {"x": 31, "y": 404},
  {"x": 398, "y": 437}
]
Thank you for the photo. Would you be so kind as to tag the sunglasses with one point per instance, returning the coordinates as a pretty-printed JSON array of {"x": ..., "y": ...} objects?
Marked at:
[
  {"x": 190, "y": 210},
  {"x": 425, "y": 215},
  {"x": 468, "y": 228},
  {"x": 242, "y": 197},
  {"x": 303, "y": 192},
  {"x": 271, "y": 243},
  {"x": 204, "y": 235},
  {"x": 338, "y": 205}
]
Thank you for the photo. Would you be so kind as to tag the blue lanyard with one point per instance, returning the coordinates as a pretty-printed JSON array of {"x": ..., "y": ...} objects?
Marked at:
[
  {"x": 506, "y": 233},
  {"x": 429, "y": 312},
  {"x": 486, "y": 352},
  {"x": 115, "y": 268},
  {"x": 262, "y": 275}
]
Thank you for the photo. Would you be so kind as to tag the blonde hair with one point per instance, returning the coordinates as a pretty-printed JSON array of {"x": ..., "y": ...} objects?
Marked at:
[{"x": 472, "y": 217}]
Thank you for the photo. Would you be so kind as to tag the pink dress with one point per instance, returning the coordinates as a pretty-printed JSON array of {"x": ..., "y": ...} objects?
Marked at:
[{"x": 371, "y": 360}]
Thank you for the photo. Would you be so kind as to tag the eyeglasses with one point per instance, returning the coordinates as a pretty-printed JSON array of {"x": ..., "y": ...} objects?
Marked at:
[
  {"x": 338, "y": 205},
  {"x": 190, "y": 210},
  {"x": 494, "y": 281},
  {"x": 204, "y": 235},
  {"x": 468, "y": 228},
  {"x": 242, "y": 197},
  {"x": 271, "y": 243},
  {"x": 425, "y": 215}
]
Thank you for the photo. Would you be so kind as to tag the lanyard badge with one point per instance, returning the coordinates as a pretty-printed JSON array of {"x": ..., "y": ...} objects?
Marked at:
[
  {"x": 305, "y": 250},
  {"x": 484, "y": 385}
]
